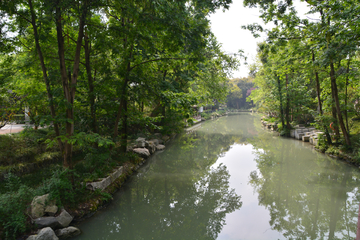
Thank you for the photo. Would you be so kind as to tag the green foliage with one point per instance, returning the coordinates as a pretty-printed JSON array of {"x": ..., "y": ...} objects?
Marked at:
[
  {"x": 239, "y": 90},
  {"x": 96, "y": 164},
  {"x": 25, "y": 146},
  {"x": 13, "y": 219},
  {"x": 332, "y": 150},
  {"x": 104, "y": 195},
  {"x": 60, "y": 187}
]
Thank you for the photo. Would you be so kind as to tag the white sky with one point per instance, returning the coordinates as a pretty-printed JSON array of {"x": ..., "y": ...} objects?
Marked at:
[{"x": 227, "y": 28}]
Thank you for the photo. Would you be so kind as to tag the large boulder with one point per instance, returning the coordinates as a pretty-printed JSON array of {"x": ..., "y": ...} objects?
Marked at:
[
  {"x": 51, "y": 222},
  {"x": 38, "y": 205},
  {"x": 151, "y": 146},
  {"x": 143, "y": 152},
  {"x": 64, "y": 218},
  {"x": 51, "y": 210},
  {"x": 44, "y": 234},
  {"x": 68, "y": 232},
  {"x": 47, "y": 234}
]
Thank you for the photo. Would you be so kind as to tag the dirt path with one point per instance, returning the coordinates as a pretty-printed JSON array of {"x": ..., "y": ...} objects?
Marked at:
[{"x": 13, "y": 128}]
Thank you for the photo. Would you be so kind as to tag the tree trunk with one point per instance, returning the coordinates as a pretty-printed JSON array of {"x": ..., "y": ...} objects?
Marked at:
[
  {"x": 281, "y": 101},
  {"x": 346, "y": 95},
  {"x": 69, "y": 82},
  {"x": 122, "y": 110},
  {"x": 318, "y": 93},
  {"x": 124, "y": 123},
  {"x": 45, "y": 76},
  {"x": 337, "y": 104},
  {"x": 91, "y": 84},
  {"x": 287, "y": 108}
]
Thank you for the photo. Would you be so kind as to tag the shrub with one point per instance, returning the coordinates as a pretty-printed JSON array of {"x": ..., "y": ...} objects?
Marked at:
[
  {"x": 60, "y": 187},
  {"x": 332, "y": 150},
  {"x": 13, "y": 204}
]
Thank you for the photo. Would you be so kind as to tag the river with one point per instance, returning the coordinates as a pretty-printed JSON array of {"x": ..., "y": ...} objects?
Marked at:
[{"x": 231, "y": 179}]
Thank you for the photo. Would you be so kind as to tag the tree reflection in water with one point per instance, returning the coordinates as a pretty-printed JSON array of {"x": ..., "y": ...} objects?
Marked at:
[
  {"x": 307, "y": 198},
  {"x": 179, "y": 195}
]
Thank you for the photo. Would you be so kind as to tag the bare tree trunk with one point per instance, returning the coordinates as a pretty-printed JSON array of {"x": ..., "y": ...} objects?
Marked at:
[{"x": 337, "y": 104}]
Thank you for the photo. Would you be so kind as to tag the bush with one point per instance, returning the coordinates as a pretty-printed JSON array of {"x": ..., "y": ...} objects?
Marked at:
[
  {"x": 13, "y": 204},
  {"x": 95, "y": 165},
  {"x": 332, "y": 150},
  {"x": 60, "y": 187},
  {"x": 7, "y": 153}
]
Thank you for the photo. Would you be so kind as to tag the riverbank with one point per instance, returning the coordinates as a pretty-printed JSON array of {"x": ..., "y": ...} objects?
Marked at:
[{"x": 316, "y": 138}]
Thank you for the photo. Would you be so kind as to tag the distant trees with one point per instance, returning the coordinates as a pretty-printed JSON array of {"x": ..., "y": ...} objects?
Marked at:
[{"x": 238, "y": 91}]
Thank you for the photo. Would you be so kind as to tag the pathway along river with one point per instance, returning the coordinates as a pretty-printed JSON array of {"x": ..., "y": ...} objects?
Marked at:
[{"x": 231, "y": 179}]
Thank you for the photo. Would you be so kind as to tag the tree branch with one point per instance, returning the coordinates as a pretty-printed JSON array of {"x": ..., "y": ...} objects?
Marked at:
[{"x": 154, "y": 60}]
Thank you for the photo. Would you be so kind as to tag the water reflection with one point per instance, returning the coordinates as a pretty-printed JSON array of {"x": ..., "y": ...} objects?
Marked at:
[
  {"x": 178, "y": 195},
  {"x": 308, "y": 195},
  {"x": 192, "y": 190}
]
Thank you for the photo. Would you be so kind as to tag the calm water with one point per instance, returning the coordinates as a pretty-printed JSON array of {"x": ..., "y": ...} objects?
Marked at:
[{"x": 230, "y": 179}]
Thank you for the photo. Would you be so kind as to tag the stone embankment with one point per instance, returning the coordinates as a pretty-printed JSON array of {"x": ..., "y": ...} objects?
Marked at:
[
  {"x": 299, "y": 132},
  {"x": 142, "y": 147}
]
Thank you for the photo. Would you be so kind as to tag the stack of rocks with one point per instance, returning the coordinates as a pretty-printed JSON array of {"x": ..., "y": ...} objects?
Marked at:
[{"x": 52, "y": 223}]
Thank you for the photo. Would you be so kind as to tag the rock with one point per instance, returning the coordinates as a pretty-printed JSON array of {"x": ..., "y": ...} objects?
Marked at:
[
  {"x": 116, "y": 174},
  {"x": 160, "y": 147},
  {"x": 46, "y": 234},
  {"x": 38, "y": 206},
  {"x": 143, "y": 152},
  {"x": 51, "y": 210},
  {"x": 150, "y": 146},
  {"x": 64, "y": 218},
  {"x": 68, "y": 232},
  {"x": 105, "y": 182},
  {"x": 32, "y": 237},
  {"x": 129, "y": 148},
  {"x": 292, "y": 133},
  {"x": 140, "y": 142},
  {"x": 306, "y": 138},
  {"x": 155, "y": 141},
  {"x": 43, "y": 222},
  {"x": 102, "y": 184}
]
